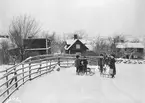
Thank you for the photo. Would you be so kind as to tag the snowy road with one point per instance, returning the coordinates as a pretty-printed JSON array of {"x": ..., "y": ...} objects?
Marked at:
[{"x": 66, "y": 87}]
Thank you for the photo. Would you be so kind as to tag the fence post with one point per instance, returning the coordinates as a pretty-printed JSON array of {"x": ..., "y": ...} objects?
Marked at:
[
  {"x": 30, "y": 69},
  {"x": 23, "y": 73},
  {"x": 50, "y": 65},
  {"x": 7, "y": 84},
  {"x": 40, "y": 68},
  {"x": 15, "y": 74},
  {"x": 46, "y": 65},
  {"x": 59, "y": 61},
  {"x": 67, "y": 62}
]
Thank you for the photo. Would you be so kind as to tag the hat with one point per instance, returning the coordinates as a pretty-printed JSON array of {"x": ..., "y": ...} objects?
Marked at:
[
  {"x": 113, "y": 55},
  {"x": 77, "y": 56},
  {"x": 101, "y": 54}
]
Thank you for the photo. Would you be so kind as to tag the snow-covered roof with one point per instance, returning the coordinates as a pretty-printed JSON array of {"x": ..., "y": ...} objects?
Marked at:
[
  {"x": 89, "y": 46},
  {"x": 10, "y": 44},
  {"x": 131, "y": 38},
  {"x": 70, "y": 42},
  {"x": 130, "y": 45},
  {"x": 84, "y": 41},
  {"x": 4, "y": 39}
]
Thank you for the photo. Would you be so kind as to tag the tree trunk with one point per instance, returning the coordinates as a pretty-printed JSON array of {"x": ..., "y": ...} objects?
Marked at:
[{"x": 22, "y": 53}]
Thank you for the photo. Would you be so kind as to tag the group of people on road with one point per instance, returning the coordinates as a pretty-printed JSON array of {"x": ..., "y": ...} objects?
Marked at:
[
  {"x": 107, "y": 61},
  {"x": 103, "y": 62},
  {"x": 81, "y": 65}
]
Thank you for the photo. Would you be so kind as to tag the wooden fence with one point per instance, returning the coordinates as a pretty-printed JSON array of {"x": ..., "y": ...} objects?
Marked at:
[{"x": 16, "y": 76}]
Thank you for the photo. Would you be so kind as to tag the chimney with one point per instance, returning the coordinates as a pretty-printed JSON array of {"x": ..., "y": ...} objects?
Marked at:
[{"x": 75, "y": 36}]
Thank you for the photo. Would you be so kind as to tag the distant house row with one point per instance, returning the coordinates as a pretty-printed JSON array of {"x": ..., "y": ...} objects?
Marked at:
[
  {"x": 137, "y": 49},
  {"x": 78, "y": 46}
]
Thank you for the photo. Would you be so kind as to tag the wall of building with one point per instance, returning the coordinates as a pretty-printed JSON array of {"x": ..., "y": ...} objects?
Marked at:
[{"x": 74, "y": 50}]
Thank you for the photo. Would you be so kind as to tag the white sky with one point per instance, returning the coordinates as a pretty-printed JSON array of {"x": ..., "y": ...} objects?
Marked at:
[{"x": 102, "y": 17}]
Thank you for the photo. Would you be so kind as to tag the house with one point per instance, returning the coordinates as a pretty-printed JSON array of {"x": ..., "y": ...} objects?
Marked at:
[
  {"x": 33, "y": 47},
  {"x": 136, "y": 50},
  {"x": 40, "y": 45},
  {"x": 78, "y": 46},
  {"x": 75, "y": 46}
]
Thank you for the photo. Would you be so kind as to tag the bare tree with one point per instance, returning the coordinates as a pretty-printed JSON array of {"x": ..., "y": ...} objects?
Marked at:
[
  {"x": 5, "y": 54},
  {"x": 44, "y": 34},
  {"x": 57, "y": 45},
  {"x": 80, "y": 33},
  {"x": 100, "y": 46},
  {"x": 136, "y": 40},
  {"x": 130, "y": 52},
  {"x": 107, "y": 45},
  {"x": 61, "y": 45},
  {"x": 23, "y": 27},
  {"x": 113, "y": 41}
]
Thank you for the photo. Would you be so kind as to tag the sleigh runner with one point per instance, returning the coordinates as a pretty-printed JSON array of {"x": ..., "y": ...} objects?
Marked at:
[{"x": 107, "y": 72}]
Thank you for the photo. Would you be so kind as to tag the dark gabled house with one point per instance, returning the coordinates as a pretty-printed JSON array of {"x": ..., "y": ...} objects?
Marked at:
[
  {"x": 75, "y": 46},
  {"x": 79, "y": 46}
]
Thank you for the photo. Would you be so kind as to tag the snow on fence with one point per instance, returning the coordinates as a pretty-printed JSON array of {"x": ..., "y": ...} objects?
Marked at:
[{"x": 16, "y": 76}]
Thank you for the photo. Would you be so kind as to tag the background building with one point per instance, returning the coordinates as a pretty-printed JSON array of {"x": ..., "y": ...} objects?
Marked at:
[{"x": 79, "y": 46}]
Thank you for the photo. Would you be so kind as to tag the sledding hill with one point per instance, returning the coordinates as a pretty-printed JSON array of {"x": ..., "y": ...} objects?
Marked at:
[{"x": 66, "y": 87}]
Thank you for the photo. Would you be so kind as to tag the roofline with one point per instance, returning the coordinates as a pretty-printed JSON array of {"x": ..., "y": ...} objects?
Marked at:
[
  {"x": 38, "y": 49},
  {"x": 36, "y": 38},
  {"x": 73, "y": 44},
  {"x": 129, "y": 47}
]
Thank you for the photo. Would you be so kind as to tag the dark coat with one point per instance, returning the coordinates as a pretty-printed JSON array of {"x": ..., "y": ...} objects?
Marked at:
[
  {"x": 77, "y": 63},
  {"x": 107, "y": 60},
  {"x": 112, "y": 65},
  {"x": 101, "y": 62},
  {"x": 85, "y": 62}
]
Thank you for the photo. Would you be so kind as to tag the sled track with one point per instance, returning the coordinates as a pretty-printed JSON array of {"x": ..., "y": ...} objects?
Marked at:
[{"x": 16, "y": 76}]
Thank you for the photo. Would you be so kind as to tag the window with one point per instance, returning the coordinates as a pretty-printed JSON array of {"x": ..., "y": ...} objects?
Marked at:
[{"x": 77, "y": 46}]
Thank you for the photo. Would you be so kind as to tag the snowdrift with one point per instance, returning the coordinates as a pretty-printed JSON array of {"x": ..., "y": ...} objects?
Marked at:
[{"x": 67, "y": 87}]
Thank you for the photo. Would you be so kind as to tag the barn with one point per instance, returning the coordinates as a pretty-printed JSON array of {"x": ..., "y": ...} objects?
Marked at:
[
  {"x": 33, "y": 47},
  {"x": 40, "y": 45}
]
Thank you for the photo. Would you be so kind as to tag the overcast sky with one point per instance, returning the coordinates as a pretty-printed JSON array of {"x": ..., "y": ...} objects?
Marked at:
[{"x": 102, "y": 17}]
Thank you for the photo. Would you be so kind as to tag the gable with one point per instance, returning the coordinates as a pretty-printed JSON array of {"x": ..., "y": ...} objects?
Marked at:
[{"x": 73, "y": 46}]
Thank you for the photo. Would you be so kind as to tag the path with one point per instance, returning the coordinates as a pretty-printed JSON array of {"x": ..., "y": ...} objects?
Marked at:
[{"x": 66, "y": 87}]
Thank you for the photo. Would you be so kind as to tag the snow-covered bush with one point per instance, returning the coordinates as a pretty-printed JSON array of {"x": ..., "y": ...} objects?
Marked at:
[{"x": 129, "y": 61}]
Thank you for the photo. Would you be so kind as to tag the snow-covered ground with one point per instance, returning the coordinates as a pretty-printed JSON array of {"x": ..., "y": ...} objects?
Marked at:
[
  {"x": 67, "y": 87},
  {"x": 33, "y": 70}
]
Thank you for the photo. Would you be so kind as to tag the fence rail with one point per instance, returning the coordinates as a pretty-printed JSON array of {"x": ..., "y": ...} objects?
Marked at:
[{"x": 16, "y": 76}]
